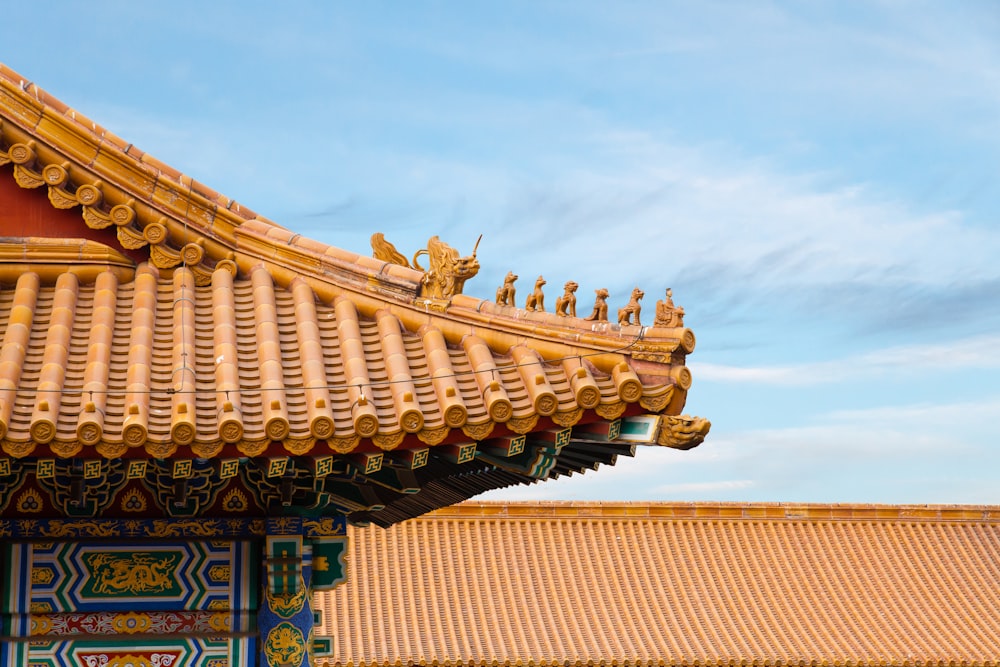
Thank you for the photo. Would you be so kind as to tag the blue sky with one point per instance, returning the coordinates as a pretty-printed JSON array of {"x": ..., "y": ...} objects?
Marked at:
[{"x": 818, "y": 182}]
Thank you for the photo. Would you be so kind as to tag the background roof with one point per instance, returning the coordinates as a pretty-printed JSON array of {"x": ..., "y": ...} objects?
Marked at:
[{"x": 671, "y": 584}]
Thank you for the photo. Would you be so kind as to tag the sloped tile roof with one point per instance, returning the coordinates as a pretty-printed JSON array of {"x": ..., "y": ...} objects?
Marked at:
[
  {"x": 179, "y": 324},
  {"x": 672, "y": 584},
  {"x": 158, "y": 363},
  {"x": 233, "y": 335}
]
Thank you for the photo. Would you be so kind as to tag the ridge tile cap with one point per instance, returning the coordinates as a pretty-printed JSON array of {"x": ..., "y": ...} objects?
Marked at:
[
  {"x": 702, "y": 511},
  {"x": 45, "y": 104},
  {"x": 274, "y": 233}
]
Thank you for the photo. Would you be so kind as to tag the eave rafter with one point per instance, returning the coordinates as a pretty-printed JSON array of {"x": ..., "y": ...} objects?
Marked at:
[{"x": 381, "y": 487}]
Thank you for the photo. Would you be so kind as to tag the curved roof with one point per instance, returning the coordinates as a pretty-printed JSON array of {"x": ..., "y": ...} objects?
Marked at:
[
  {"x": 671, "y": 584},
  {"x": 163, "y": 320}
]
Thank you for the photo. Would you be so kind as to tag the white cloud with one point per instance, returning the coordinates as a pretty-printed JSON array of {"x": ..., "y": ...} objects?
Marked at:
[
  {"x": 915, "y": 454},
  {"x": 979, "y": 352},
  {"x": 682, "y": 488}
]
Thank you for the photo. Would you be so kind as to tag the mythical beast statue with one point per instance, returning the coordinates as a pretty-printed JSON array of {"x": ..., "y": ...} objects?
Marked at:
[{"x": 447, "y": 273}]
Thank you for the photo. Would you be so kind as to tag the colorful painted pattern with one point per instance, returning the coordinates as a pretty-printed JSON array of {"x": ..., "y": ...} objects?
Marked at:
[
  {"x": 172, "y": 528},
  {"x": 181, "y": 602},
  {"x": 161, "y": 623},
  {"x": 219, "y": 652},
  {"x": 66, "y": 595},
  {"x": 286, "y": 619},
  {"x": 146, "y": 489},
  {"x": 102, "y": 576}
]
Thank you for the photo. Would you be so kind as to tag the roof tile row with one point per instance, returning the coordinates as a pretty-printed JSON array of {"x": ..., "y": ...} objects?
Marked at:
[
  {"x": 159, "y": 363},
  {"x": 672, "y": 584}
]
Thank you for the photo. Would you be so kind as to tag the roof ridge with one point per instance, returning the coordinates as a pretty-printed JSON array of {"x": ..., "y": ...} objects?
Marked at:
[
  {"x": 148, "y": 204},
  {"x": 712, "y": 510}
]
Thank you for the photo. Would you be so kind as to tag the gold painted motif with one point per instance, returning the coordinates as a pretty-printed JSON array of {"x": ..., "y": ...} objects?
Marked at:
[
  {"x": 30, "y": 502},
  {"x": 219, "y": 622},
  {"x": 42, "y": 575},
  {"x": 325, "y": 527},
  {"x": 134, "y": 574},
  {"x": 77, "y": 527},
  {"x": 229, "y": 468},
  {"x": 92, "y": 469},
  {"x": 134, "y": 501},
  {"x": 40, "y": 625},
  {"x": 235, "y": 501},
  {"x": 131, "y": 623},
  {"x": 129, "y": 659},
  {"x": 285, "y": 645},
  {"x": 163, "y": 528},
  {"x": 277, "y": 467},
  {"x": 219, "y": 573},
  {"x": 287, "y": 605},
  {"x": 420, "y": 458},
  {"x": 40, "y": 608},
  {"x": 283, "y": 525},
  {"x": 324, "y": 466},
  {"x": 467, "y": 453},
  {"x": 136, "y": 469}
]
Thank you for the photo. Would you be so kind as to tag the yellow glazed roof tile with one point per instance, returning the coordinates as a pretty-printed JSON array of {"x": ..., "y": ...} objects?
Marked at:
[
  {"x": 232, "y": 335},
  {"x": 164, "y": 320},
  {"x": 671, "y": 584}
]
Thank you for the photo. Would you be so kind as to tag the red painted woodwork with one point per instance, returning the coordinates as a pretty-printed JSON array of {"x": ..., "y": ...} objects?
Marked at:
[{"x": 28, "y": 212}]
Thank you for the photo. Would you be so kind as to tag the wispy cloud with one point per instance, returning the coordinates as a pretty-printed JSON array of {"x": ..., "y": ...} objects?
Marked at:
[
  {"x": 980, "y": 352},
  {"x": 687, "y": 488},
  {"x": 914, "y": 453}
]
